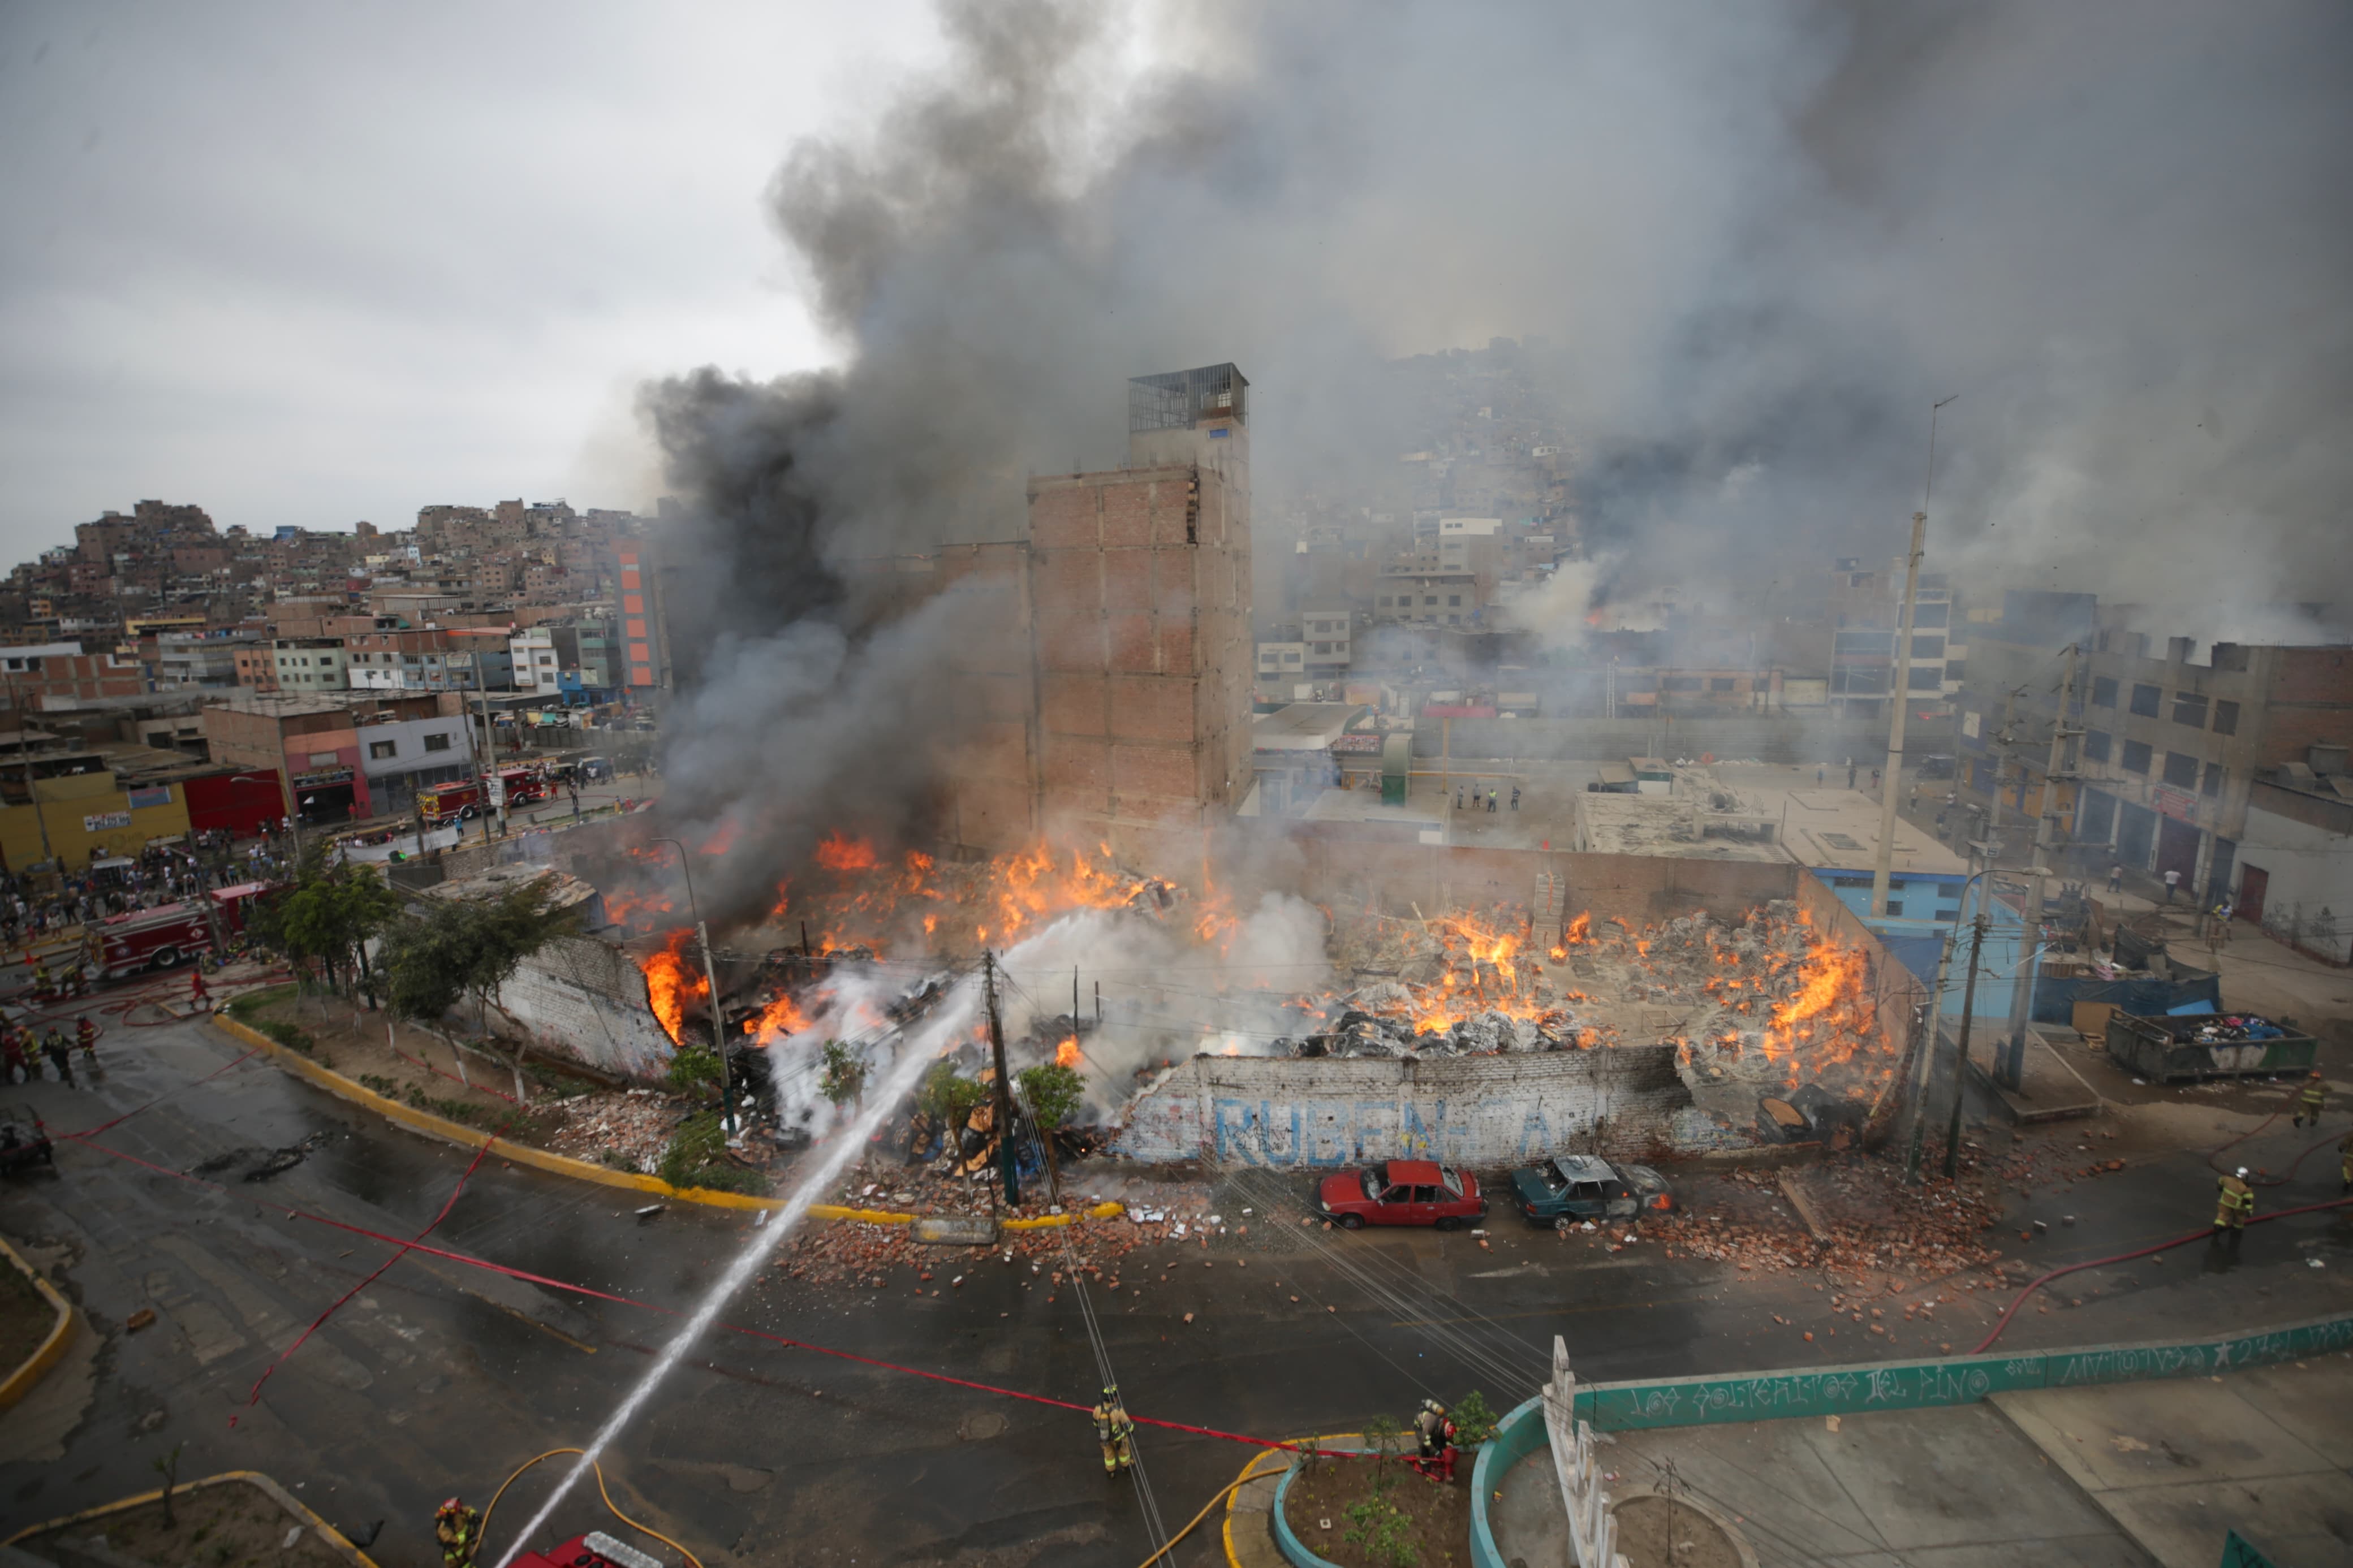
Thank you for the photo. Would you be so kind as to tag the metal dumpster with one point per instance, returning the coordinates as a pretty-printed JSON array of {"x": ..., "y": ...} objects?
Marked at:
[{"x": 2167, "y": 1050}]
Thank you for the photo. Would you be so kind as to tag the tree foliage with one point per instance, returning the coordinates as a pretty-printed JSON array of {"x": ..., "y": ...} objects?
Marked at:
[
  {"x": 461, "y": 947},
  {"x": 328, "y": 914},
  {"x": 843, "y": 1079},
  {"x": 1474, "y": 1420},
  {"x": 1054, "y": 1091},
  {"x": 947, "y": 1099}
]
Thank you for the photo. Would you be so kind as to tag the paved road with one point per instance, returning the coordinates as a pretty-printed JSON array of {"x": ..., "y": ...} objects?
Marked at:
[{"x": 439, "y": 1378}]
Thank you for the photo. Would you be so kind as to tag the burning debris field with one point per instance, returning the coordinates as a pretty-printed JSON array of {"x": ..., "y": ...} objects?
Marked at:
[{"x": 1117, "y": 975}]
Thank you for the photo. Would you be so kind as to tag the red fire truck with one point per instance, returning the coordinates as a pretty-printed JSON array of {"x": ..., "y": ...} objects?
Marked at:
[
  {"x": 160, "y": 937},
  {"x": 466, "y": 799},
  {"x": 169, "y": 935}
]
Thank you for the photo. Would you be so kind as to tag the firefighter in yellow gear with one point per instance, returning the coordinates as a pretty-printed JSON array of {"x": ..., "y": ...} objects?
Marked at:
[
  {"x": 2235, "y": 1205},
  {"x": 459, "y": 1529},
  {"x": 2308, "y": 1102},
  {"x": 41, "y": 981},
  {"x": 1114, "y": 1431}
]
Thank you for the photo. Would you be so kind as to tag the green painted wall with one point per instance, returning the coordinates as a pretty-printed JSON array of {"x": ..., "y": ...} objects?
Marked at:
[{"x": 1921, "y": 1384}]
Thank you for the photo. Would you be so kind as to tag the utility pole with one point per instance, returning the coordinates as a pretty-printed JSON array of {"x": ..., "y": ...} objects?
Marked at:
[
  {"x": 2011, "y": 1069},
  {"x": 718, "y": 1028},
  {"x": 1935, "y": 1031},
  {"x": 1900, "y": 700},
  {"x": 1961, "y": 1052},
  {"x": 1001, "y": 1118}
]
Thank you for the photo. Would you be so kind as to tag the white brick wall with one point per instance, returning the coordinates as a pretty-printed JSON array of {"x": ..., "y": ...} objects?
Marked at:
[
  {"x": 1288, "y": 1112},
  {"x": 584, "y": 998}
]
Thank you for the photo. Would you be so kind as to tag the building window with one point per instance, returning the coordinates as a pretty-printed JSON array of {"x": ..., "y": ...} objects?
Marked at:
[
  {"x": 1957, "y": 669},
  {"x": 1323, "y": 647},
  {"x": 2211, "y": 785},
  {"x": 1455, "y": 600},
  {"x": 2095, "y": 746},
  {"x": 1429, "y": 600},
  {"x": 381, "y": 749},
  {"x": 2145, "y": 701},
  {"x": 2180, "y": 769},
  {"x": 2136, "y": 757},
  {"x": 437, "y": 742},
  {"x": 1719, "y": 683},
  {"x": 2189, "y": 708},
  {"x": 2226, "y": 717}
]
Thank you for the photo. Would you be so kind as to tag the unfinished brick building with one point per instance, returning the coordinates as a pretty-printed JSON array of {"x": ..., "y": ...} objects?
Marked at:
[{"x": 1121, "y": 713}]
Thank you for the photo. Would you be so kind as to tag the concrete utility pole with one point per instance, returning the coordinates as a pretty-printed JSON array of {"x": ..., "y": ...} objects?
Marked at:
[
  {"x": 1928, "y": 1067},
  {"x": 1961, "y": 1052},
  {"x": 1001, "y": 1117},
  {"x": 1899, "y": 698},
  {"x": 2060, "y": 768}
]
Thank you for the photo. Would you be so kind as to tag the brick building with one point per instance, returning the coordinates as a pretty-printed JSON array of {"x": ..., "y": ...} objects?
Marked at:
[{"x": 312, "y": 742}]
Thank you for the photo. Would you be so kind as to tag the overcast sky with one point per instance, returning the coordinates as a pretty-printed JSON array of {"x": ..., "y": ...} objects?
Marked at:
[{"x": 318, "y": 263}]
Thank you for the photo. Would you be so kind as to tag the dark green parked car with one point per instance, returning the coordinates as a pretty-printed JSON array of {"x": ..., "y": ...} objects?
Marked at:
[{"x": 1569, "y": 1189}]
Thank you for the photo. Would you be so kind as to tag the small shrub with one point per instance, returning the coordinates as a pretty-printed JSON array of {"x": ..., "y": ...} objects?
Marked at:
[
  {"x": 293, "y": 1037},
  {"x": 697, "y": 1157},
  {"x": 381, "y": 1084},
  {"x": 1474, "y": 1422},
  {"x": 1385, "y": 1438},
  {"x": 1382, "y": 1528}
]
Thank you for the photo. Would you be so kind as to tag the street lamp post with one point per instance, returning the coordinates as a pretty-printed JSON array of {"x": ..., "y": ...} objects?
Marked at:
[{"x": 709, "y": 978}]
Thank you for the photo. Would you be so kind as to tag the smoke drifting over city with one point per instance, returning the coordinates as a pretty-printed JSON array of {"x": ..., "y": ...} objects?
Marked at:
[{"x": 1744, "y": 253}]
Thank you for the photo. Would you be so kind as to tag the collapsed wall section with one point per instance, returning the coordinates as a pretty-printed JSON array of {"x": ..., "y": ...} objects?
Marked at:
[
  {"x": 1483, "y": 1110},
  {"x": 586, "y": 999}
]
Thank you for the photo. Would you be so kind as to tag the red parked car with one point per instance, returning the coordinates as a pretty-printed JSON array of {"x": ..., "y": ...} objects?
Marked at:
[{"x": 1401, "y": 1192}]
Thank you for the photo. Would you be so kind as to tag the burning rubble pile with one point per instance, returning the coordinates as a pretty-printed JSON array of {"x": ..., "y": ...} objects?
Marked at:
[{"x": 1762, "y": 1000}]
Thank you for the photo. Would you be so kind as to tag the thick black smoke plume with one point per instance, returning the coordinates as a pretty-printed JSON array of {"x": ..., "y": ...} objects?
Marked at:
[{"x": 1744, "y": 251}]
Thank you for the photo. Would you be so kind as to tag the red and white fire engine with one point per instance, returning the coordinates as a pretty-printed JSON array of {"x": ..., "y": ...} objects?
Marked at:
[
  {"x": 169, "y": 935},
  {"x": 466, "y": 799}
]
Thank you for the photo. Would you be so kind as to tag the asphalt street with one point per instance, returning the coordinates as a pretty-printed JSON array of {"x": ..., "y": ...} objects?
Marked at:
[{"x": 440, "y": 1378}]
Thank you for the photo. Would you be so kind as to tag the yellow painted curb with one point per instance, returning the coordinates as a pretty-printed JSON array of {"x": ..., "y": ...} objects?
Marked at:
[
  {"x": 270, "y": 1489},
  {"x": 433, "y": 1126},
  {"x": 1227, "y": 1530},
  {"x": 53, "y": 1349},
  {"x": 1286, "y": 1456}
]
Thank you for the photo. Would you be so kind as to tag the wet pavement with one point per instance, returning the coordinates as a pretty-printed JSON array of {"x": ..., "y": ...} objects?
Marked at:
[{"x": 440, "y": 1378}]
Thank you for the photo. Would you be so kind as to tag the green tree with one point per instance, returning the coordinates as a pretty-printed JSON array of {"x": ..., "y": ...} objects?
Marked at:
[
  {"x": 948, "y": 1101},
  {"x": 843, "y": 1079},
  {"x": 1053, "y": 1093},
  {"x": 1385, "y": 1438},
  {"x": 327, "y": 917},
  {"x": 1474, "y": 1420},
  {"x": 460, "y": 947}
]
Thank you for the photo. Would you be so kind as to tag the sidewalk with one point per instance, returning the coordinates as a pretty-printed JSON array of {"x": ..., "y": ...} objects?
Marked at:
[{"x": 2102, "y": 1477}]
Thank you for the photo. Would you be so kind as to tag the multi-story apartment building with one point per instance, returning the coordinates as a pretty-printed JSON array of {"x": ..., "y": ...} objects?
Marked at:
[
  {"x": 2174, "y": 736},
  {"x": 1866, "y": 609},
  {"x": 310, "y": 665}
]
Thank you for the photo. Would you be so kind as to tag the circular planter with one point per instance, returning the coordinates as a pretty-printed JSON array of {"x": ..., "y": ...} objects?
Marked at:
[
  {"x": 1650, "y": 1498},
  {"x": 1299, "y": 1555}
]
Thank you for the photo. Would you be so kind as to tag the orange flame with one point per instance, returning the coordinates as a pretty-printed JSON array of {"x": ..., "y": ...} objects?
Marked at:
[
  {"x": 1066, "y": 1055},
  {"x": 779, "y": 1020},
  {"x": 839, "y": 854},
  {"x": 671, "y": 984}
]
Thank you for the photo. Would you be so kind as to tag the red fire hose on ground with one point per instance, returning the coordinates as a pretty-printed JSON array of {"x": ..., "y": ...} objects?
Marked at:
[{"x": 2010, "y": 1311}]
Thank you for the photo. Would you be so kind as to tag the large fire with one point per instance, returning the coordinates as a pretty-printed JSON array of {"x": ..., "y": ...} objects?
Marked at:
[{"x": 671, "y": 982}]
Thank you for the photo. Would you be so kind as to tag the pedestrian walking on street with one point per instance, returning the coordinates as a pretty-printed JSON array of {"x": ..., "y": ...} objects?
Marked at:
[
  {"x": 1490, "y": 800},
  {"x": 1515, "y": 797},
  {"x": 1874, "y": 778},
  {"x": 1850, "y": 772},
  {"x": 2172, "y": 880},
  {"x": 2235, "y": 1205},
  {"x": 53, "y": 1046},
  {"x": 1818, "y": 775},
  {"x": 1458, "y": 797},
  {"x": 2115, "y": 879},
  {"x": 86, "y": 1041},
  {"x": 2308, "y": 1102}
]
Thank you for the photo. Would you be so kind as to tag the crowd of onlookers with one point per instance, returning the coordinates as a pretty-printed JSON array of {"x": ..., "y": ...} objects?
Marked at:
[{"x": 33, "y": 907}]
